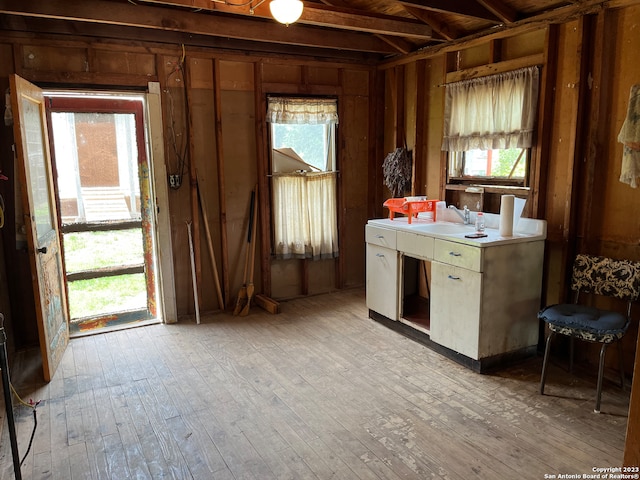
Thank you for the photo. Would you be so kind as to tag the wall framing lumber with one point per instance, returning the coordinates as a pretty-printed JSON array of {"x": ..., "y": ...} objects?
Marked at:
[
  {"x": 540, "y": 154},
  {"x": 339, "y": 263},
  {"x": 217, "y": 101},
  {"x": 264, "y": 190},
  {"x": 193, "y": 180},
  {"x": 494, "y": 68},
  {"x": 420, "y": 152}
]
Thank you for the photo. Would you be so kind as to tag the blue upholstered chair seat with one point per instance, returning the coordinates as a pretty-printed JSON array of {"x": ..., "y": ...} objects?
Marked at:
[{"x": 585, "y": 322}]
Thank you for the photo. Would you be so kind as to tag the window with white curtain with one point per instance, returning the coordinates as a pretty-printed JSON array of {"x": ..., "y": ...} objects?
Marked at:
[
  {"x": 489, "y": 124},
  {"x": 304, "y": 177}
]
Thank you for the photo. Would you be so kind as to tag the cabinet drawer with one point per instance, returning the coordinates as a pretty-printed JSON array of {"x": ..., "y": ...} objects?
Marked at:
[
  {"x": 380, "y": 236},
  {"x": 414, "y": 245},
  {"x": 458, "y": 254}
]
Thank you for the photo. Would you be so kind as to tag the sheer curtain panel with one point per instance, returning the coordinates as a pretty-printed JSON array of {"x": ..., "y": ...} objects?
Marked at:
[{"x": 493, "y": 112}]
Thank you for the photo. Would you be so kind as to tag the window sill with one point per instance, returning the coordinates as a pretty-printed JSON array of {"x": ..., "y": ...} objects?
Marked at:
[
  {"x": 482, "y": 197},
  {"x": 497, "y": 189}
]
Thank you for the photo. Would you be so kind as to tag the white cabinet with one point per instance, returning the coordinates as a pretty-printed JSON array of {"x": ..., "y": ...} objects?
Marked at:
[
  {"x": 382, "y": 272},
  {"x": 489, "y": 308},
  {"x": 484, "y": 295}
]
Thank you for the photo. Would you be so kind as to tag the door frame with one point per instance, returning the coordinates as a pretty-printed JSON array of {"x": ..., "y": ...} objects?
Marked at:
[{"x": 114, "y": 103}]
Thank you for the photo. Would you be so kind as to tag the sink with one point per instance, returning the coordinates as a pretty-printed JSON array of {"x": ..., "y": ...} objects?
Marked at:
[{"x": 446, "y": 228}]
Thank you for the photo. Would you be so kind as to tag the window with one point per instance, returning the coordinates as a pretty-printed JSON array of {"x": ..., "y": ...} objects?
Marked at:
[
  {"x": 303, "y": 177},
  {"x": 509, "y": 165},
  {"x": 489, "y": 124}
]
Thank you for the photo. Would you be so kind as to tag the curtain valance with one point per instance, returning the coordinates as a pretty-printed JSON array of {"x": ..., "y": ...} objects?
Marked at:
[
  {"x": 310, "y": 111},
  {"x": 497, "y": 111}
]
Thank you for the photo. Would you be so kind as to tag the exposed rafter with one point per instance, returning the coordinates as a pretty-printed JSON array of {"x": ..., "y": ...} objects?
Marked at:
[
  {"x": 323, "y": 16},
  {"x": 369, "y": 29},
  {"x": 168, "y": 19},
  {"x": 447, "y": 32},
  {"x": 459, "y": 7},
  {"x": 500, "y": 9},
  {"x": 399, "y": 44}
]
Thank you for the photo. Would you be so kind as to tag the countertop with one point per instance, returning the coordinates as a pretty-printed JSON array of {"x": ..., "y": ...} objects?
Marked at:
[{"x": 527, "y": 230}]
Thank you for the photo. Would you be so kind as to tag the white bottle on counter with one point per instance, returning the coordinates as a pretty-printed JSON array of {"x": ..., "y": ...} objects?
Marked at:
[{"x": 480, "y": 222}]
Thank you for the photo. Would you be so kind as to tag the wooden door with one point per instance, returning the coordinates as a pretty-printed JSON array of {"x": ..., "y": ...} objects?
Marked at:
[{"x": 41, "y": 221}]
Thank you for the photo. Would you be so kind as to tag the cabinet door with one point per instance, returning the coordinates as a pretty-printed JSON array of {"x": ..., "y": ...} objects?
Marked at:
[
  {"x": 455, "y": 308},
  {"x": 382, "y": 281}
]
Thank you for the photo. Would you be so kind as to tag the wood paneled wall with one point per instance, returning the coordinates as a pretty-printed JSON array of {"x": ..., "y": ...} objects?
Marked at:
[
  {"x": 214, "y": 130},
  {"x": 588, "y": 66}
]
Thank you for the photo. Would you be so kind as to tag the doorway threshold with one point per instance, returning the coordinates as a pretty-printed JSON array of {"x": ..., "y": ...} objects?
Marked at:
[{"x": 109, "y": 323}]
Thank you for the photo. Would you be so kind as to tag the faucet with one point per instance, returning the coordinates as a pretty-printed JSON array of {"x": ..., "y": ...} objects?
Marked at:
[{"x": 466, "y": 218}]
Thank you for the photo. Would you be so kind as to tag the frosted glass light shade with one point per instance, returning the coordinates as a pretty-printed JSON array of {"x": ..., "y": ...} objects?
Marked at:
[{"x": 286, "y": 11}]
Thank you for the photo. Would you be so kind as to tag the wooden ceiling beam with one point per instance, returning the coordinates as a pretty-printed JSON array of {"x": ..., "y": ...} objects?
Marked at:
[
  {"x": 558, "y": 15},
  {"x": 457, "y": 7},
  {"x": 155, "y": 39},
  {"x": 501, "y": 10},
  {"x": 168, "y": 19},
  {"x": 321, "y": 16},
  {"x": 403, "y": 46},
  {"x": 447, "y": 32}
]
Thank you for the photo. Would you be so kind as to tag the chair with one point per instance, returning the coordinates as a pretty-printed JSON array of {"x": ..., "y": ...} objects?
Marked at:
[{"x": 600, "y": 276}]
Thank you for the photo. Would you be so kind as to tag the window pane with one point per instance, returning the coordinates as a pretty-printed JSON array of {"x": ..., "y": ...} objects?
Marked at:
[
  {"x": 98, "y": 296},
  {"x": 308, "y": 141},
  {"x": 498, "y": 163},
  {"x": 97, "y": 162},
  {"x": 91, "y": 250}
]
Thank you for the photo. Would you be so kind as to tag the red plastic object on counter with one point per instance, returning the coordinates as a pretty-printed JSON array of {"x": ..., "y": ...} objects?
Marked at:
[{"x": 410, "y": 208}]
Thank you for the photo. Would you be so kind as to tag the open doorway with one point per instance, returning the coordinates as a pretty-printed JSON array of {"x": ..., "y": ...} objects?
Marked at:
[{"x": 103, "y": 190}]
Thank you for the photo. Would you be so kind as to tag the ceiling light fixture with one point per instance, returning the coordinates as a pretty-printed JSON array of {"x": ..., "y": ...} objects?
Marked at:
[{"x": 286, "y": 11}]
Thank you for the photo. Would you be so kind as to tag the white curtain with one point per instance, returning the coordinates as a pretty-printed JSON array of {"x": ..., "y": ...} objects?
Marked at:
[
  {"x": 310, "y": 111},
  {"x": 492, "y": 112},
  {"x": 304, "y": 214},
  {"x": 304, "y": 204}
]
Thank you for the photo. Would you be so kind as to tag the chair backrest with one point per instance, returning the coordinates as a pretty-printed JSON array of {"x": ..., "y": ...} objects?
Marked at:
[{"x": 606, "y": 276}]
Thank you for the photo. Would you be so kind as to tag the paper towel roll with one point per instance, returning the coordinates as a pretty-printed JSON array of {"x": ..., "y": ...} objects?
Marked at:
[{"x": 506, "y": 215}]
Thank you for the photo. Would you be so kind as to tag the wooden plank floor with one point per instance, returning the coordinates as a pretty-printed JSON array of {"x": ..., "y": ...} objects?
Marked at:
[{"x": 319, "y": 391}]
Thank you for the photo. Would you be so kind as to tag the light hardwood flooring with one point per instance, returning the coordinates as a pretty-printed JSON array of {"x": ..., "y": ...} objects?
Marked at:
[{"x": 319, "y": 391}]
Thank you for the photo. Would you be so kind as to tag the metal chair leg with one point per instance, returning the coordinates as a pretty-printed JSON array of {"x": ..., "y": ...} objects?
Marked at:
[
  {"x": 543, "y": 376},
  {"x": 621, "y": 358},
  {"x": 571, "y": 349},
  {"x": 603, "y": 351}
]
